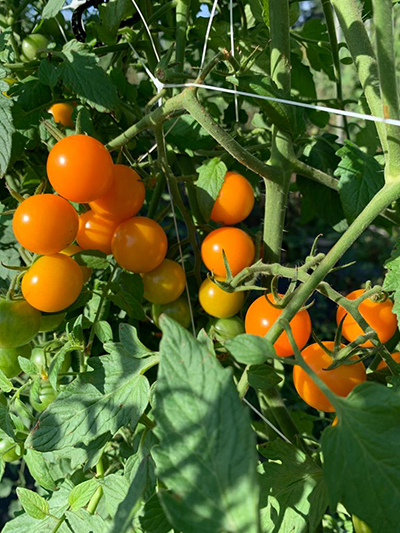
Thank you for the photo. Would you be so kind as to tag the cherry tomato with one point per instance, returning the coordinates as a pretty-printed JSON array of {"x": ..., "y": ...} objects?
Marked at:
[
  {"x": 217, "y": 302},
  {"x": 19, "y": 323},
  {"x": 235, "y": 200},
  {"x": 32, "y": 43},
  {"x": 178, "y": 310},
  {"x": 47, "y": 395},
  {"x": 62, "y": 114},
  {"x": 45, "y": 224},
  {"x": 52, "y": 283},
  {"x": 225, "y": 328},
  {"x": 261, "y": 316},
  {"x": 9, "y": 450},
  {"x": 165, "y": 283},
  {"x": 340, "y": 380},
  {"x": 42, "y": 360},
  {"x": 383, "y": 364},
  {"x": 139, "y": 245},
  {"x": 96, "y": 232},
  {"x": 73, "y": 249},
  {"x": 80, "y": 168},
  {"x": 125, "y": 197},
  {"x": 238, "y": 247},
  {"x": 379, "y": 316},
  {"x": 9, "y": 359},
  {"x": 360, "y": 526},
  {"x": 51, "y": 322}
]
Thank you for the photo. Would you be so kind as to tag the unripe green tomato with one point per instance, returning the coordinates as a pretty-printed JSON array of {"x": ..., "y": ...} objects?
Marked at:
[
  {"x": 41, "y": 361},
  {"x": 360, "y": 526},
  {"x": 225, "y": 328},
  {"x": 9, "y": 359},
  {"x": 47, "y": 395},
  {"x": 19, "y": 323},
  {"x": 9, "y": 451},
  {"x": 178, "y": 310},
  {"x": 32, "y": 43},
  {"x": 51, "y": 322}
]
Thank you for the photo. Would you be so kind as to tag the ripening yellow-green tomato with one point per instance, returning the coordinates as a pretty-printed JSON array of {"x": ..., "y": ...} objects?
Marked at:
[
  {"x": 217, "y": 302},
  {"x": 165, "y": 283}
]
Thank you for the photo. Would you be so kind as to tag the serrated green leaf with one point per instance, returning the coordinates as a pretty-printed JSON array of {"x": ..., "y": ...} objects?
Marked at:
[
  {"x": 2, "y": 468},
  {"x": 361, "y": 456},
  {"x": 5, "y": 421},
  {"x": 48, "y": 73},
  {"x": 92, "y": 259},
  {"x": 262, "y": 377},
  {"x": 5, "y": 383},
  {"x": 153, "y": 518},
  {"x": 33, "y": 504},
  {"x": 129, "y": 342},
  {"x": 114, "y": 394},
  {"x": 250, "y": 349},
  {"x": 115, "y": 489},
  {"x": 56, "y": 364},
  {"x": 128, "y": 303},
  {"x": 39, "y": 469},
  {"x": 83, "y": 522},
  {"x": 81, "y": 74},
  {"x": 81, "y": 494},
  {"x": 103, "y": 331},
  {"x": 52, "y": 8},
  {"x": 208, "y": 186},
  {"x": 293, "y": 492},
  {"x": 206, "y": 456},
  {"x": 6, "y": 133},
  {"x": 27, "y": 366}
]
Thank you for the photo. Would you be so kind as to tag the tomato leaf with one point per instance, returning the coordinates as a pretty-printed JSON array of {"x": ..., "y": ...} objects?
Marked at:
[
  {"x": 81, "y": 494},
  {"x": 293, "y": 491},
  {"x": 56, "y": 364},
  {"x": 206, "y": 456},
  {"x": 33, "y": 504},
  {"x": 361, "y": 456},
  {"x": 208, "y": 186},
  {"x": 39, "y": 469},
  {"x": 115, "y": 489},
  {"x": 52, "y": 8},
  {"x": 5, "y": 421},
  {"x": 153, "y": 517},
  {"x": 6, "y": 130},
  {"x": 128, "y": 303},
  {"x": 129, "y": 343},
  {"x": 92, "y": 259},
  {"x": 114, "y": 394},
  {"x": 250, "y": 349},
  {"x": 27, "y": 366},
  {"x": 5, "y": 383},
  {"x": 262, "y": 377},
  {"x": 103, "y": 331},
  {"x": 85, "y": 522}
]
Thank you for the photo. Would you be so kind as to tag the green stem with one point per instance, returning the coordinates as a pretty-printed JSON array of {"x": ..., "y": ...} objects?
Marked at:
[
  {"x": 94, "y": 502},
  {"x": 314, "y": 174},
  {"x": 387, "y": 73},
  {"x": 360, "y": 47},
  {"x": 156, "y": 197},
  {"x": 59, "y": 523},
  {"x": 182, "y": 15}
]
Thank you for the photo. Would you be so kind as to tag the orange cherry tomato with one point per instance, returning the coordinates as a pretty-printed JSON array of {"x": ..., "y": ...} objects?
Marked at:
[
  {"x": 45, "y": 224},
  {"x": 70, "y": 251},
  {"x": 217, "y": 302},
  {"x": 261, "y": 316},
  {"x": 95, "y": 232},
  {"x": 238, "y": 247},
  {"x": 340, "y": 380},
  {"x": 383, "y": 364},
  {"x": 52, "y": 283},
  {"x": 139, "y": 245},
  {"x": 125, "y": 197},
  {"x": 62, "y": 114},
  {"x": 235, "y": 200},
  {"x": 165, "y": 283},
  {"x": 80, "y": 168},
  {"x": 379, "y": 316}
]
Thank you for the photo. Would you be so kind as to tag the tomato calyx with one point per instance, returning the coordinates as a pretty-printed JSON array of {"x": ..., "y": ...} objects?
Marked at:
[{"x": 341, "y": 354}]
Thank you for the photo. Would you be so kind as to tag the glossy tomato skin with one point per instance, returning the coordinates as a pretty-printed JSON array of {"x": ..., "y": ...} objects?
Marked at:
[
  {"x": 379, "y": 316},
  {"x": 47, "y": 395},
  {"x": 95, "y": 232},
  {"x": 177, "y": 310},
  {"x": 52, "y": 283},
  {"x": 218, "y": 303},
  {"x": 32, "y": 43},
  {"x": 125, "y": 197},
  {"x": 73, "y": 249},
  {"x": 9, "y": 359},
  {"x": 383, "y": 364},
  {"x": 139, "y": 245},
  {"x": 260, "y": 317},
  {"x": 62, "y": 114},
  {"x": 9, "y": 450},
  {"x": 165, "y": 283},
  {"x": 80, "y": 168},
  {"x": 19, "y": 323},
  {"x": 225, "y": 328},
  {"x": 235, "y": 200},
  {"x": 45, "y": 224},
  {"x": 238, "y": 247},
  {"x": 341, "y": 380}
]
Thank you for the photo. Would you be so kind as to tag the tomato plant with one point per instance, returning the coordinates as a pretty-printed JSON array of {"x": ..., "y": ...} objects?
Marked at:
[
  {"x": 9, "y": 359},
  {"x": 218, "y": 303},
  {"x": 42, "y": 360},
  {"x": 45, "y": 224},
  {"x": 19, "y": 323},
  {"x": 165, "y": 283}
]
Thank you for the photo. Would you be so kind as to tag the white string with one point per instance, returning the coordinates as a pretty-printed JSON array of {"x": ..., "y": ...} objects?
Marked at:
[
  {"x": 210, "y": 21},
  {"x": 233, "y": 52},
  {"x": 158, "y": 84},
  {"x": 144, "y": 156},
  {"x": 147, "y": 29},
  {"x": 352, "y": 114},
  {"x": 270, "y": 424}
]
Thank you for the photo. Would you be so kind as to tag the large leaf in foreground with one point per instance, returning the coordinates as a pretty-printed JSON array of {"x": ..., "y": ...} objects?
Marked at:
[
  {"x": 293, "y": 492},
  {"x": 362, "y": 456},
  {"x": 113, "y": 395},
  {"x": 206, "y": 455}
]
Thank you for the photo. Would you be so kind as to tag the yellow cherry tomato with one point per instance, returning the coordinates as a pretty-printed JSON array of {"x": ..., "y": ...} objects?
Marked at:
[
  {"x": 165, "y": 283},
  {"x": 217, "y": 302}
]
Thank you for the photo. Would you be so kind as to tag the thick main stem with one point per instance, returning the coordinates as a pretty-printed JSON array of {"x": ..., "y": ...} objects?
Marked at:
[{"x": 182, "y": 13}]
